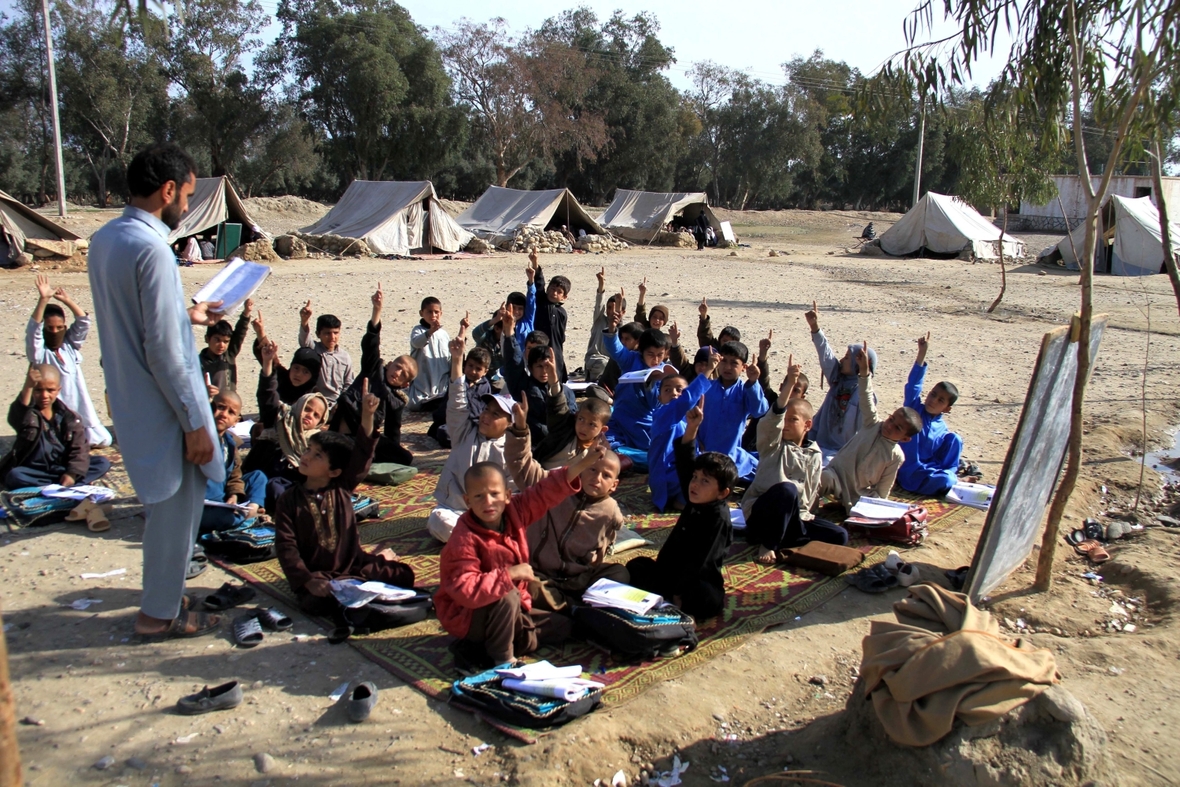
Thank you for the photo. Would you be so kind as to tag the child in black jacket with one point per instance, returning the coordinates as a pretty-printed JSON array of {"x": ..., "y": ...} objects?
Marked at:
[{"x": 687, "y": 572}]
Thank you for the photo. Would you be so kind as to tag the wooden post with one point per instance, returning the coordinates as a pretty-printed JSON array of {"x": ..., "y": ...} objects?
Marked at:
[{"x": 10, "y": 771}]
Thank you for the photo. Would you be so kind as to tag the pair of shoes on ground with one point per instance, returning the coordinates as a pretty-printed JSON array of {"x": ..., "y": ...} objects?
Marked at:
[
  {"x": 248, "y": 628},
  {"x": 906, "y": 573},
  {"x": 892, "y": 573},
  {"x": 1085, "y": 541},
  {"x": 93, "y": 514}
]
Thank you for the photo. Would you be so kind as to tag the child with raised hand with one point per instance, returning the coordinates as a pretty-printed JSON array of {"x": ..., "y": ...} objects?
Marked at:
[
  {"x": 316, "y": 535},
  {"x": 777, "y": 506},
  {"x": 542, "y": 381},
  {"x": 932, "y": 456},
  {"x": 551, "y": 317},
  {"x": 729, "y": 404},
  {"x": 238, "y": 488},
  {"x": 596, "y": 358},
  {"x": 659, "y": 317},
  {"x": 47, "y": 340},
  {"x": 523, "y": 306},
  {"x": 389, "y": 382},
  {"x": 568, "y": 545},
  {"x": 868, "y": 463},
  {"x": 51, "y": 445},
  {"x": 428, "y": 348},
  {"x": 839, "y": 416},
  {"x": 571, "y": 433},
  {"x": 705, "y": 330},
  {"x": 676, "y": 397},
  {"x": 223, "y": 342},
  {"x": 634, "y": 402},
  {"x": 484, "y": 596},
  {"x": 472, "y": 443},
  {"x": 335, "y": 363},
  {"x": 687, "y": 571}
]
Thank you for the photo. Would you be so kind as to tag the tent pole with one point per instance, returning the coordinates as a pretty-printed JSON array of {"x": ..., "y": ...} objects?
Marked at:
[
  {"x": 61, "y": 173},
  {"x": 921, "y": 141}
]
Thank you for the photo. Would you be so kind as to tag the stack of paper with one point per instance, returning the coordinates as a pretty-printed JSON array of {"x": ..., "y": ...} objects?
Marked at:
[
  {"x": 974, "y": 495},
  {"x": 353, "y": 593},
  {"x": 641, "y": 375},
  {"x": 545, "y": 680},
  {"x": 97, "y": 494},
  {"x": 605, "y": 593},
  {"x": 241, "y": 430},
  {"x": 233, "y": 284},
  {"x": 875, "y": 509}
]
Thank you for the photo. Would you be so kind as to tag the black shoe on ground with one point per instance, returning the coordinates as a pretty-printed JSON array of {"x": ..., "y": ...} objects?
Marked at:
[{"x": 223, "y": 697}]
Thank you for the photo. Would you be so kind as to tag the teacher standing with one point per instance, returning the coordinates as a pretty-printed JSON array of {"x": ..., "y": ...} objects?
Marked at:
[{"x": 158, "y": 398}]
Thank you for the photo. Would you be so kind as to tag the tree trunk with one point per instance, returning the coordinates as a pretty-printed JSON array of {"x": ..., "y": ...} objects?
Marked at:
[
  {"x": 1003, "y": 267},
  {"x": 10, "y": 770},
  {"x": 1165, "y": 230}
]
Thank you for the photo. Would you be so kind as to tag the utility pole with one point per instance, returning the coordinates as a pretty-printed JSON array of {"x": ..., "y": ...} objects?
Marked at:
[
  {"x": 61, "y": 171},
  {"x": 921, "y": 141}
]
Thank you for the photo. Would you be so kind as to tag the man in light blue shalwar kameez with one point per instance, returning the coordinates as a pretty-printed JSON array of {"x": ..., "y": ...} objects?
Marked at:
[{"x": 158, "y": 399}]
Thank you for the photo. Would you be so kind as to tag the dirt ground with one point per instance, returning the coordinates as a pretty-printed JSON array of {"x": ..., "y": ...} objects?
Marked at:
[{"x": 753, "y": 710}]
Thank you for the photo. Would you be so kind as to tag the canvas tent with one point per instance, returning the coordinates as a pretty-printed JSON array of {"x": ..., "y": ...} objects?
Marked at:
[
  {"x": 214, "y": 201},
  {"x": 393, "y": 217},
  {"x": 641, "y": 215},
  {"x": 499, "y": 212},
  {"x": 1130, "y": 243},
  {"x": 19, "y": 222},
  {"x": 946, "y": 225}
]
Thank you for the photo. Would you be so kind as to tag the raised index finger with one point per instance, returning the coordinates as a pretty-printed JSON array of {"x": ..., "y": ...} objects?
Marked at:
[{"x": 365, "y": 386}]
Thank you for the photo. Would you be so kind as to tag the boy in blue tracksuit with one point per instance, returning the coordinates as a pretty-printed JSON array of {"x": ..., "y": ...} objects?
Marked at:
[
  {"x": 676, "y": 398},
  {"x": 630, "y": 423},
  {"x": 729, "y": 404},
  {"x": 932, "y": 455}
]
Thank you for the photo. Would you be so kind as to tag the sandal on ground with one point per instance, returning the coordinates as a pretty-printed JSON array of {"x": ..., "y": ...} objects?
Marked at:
[
  {"x": 248, "y": 631},
  {"x": 79, "y": 512},
  {"x": 273, "y": 618},
  {"x": 96, "y": 521},
  {"x": 1093, "y": 550},
  {"x": 195, "y": 569},
  {"x": 1076, "y": 537},
  {"x": 179, "y": 627},
  {"x": 228, "y": 596}
]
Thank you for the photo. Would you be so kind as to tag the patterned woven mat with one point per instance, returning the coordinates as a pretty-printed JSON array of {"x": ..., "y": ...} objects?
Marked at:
[{"x": 757, "y": 597}]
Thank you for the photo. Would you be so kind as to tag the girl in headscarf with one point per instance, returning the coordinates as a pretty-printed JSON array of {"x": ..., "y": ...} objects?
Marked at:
[{"x": 838, "y": 417}]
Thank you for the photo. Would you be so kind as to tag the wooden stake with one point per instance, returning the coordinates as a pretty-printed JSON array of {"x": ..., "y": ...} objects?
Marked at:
[{"x": 10, "y": 770}]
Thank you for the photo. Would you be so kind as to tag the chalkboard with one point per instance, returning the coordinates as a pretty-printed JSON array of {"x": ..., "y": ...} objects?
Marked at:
[{"x": 1034, "y": 462}]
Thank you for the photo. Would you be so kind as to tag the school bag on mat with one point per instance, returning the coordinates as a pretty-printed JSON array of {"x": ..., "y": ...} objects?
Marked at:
[
  {"x": 484, "y": 693},
  {"x": 830, "y": 559},
  {"x": 250, "y": 543},
  {"x": 664, "y": 631},
  {"x": 382, "y": 615},
  {"x": 27, "y": 508},
  {"x": 365, "y": 508},
  {"x": 390, "y": 474},
  {"x": 908, "y": 530}
]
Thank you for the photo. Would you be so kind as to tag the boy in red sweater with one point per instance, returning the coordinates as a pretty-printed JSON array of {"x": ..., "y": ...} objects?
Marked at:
[{"x": 484, "y": 572}]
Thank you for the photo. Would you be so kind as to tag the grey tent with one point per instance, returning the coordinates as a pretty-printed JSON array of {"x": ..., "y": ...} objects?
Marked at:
[
  {"x": 393, "y": 217},
  {"x": 1129, "y": 244},
  {"x": 640, "y": 216},
  {"x": 947, "y": 225},
  {"x": 214, "y": 201},
  {"x": 499, "y": 212},
  {"x": 18, "y": 223}
]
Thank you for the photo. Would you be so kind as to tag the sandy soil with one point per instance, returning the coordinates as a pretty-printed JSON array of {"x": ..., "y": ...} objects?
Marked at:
[{"x": 99, "y": 695}]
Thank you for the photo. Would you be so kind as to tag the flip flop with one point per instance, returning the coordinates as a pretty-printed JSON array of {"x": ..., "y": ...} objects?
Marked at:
[
  {"x": 79, "y": 512},
  {"x": 228, "y": 596},
  {"x": 195, "y": 569},
  {"x": 248, "y": 631},
  {"x": 1076, "y": 537},
  {"x": 96, "y": 521},
  {"x": 206, "y": 624},
  {"x": 1093, "y": 550},
  {"x": 274, "y": 619}
]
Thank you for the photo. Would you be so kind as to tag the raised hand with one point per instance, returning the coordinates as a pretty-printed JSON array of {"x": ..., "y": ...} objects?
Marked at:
[
  {"x": 465, "y": 323},
  {"x": 674, "y": 334},
  {"x": 205, "y": 313},
  {"x": 520, "y": 414},
  {"x": 369, "y": 402},
  {"x": 586, "y": 460},
  {"x": 530, "y": 271},
  {"x": 507, "y": 320},
  {"x": 258, "y": 326},
  {"x": 210, "y": 388},
  {"x": 456, "y": 346},
  {"x": 33, "y": 377},
  {"x": 44, "y": 288},
  {"x": 703, "y": 308},
  {"x": 601, "y": 276},
  {"x": 764, "y": 344},
  {"x": 550, "y": 364},
  {"x": 695, "y": 416},
  {"x": 60, "y": 294},
  {"x": 753, "y": 372},
  {"x": 269, "y": 351},
  {"x": 534, "y": 260},
  {"x": 378, "y": 298},
  {"x": 862, "y": 359},
  {"x": 248, "y": 307},
  {"x": 643, "y": 289},
  {"x": 305, "y": 313},
  {"x": 792, "y": 376},
  {"x": 812, "y": 317}
]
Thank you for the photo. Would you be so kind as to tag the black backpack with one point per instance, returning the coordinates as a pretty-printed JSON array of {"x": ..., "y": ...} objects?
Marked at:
[
  {"x": 242, "y": 545},
  {"x": 485, "y": 694},
  {"x": 664, "y": 631},
  {"x": 382, "y": 615}
]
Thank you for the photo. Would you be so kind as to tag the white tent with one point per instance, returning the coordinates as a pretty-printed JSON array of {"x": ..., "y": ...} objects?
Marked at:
[
  {"x": 947, "y": 225},
  {"x": 214, "y": 200},
  {"x": 393, "y": 217},
  {"x": 641, "y": 215},
  {"x": 1130, "y": 243},
  {"x": 18, "y": 222},
  {"x": 499, "y": 212}
]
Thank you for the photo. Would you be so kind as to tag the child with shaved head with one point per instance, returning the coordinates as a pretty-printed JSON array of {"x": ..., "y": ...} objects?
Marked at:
[
  {"x": 238, "y": 488},
  {"x": 51, "y": 444},
  {"x": 484, "y": 596}
]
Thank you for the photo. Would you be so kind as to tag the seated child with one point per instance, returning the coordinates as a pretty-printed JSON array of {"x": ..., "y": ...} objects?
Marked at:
[
  {"x": 839, "y": 416},
  {"x": 223, "y": 342},
  {"x": 239, "y": 488},
  {"x": 932, "y": 457},
  {"x": 568, "y": 545},
  {"x": 596, "y": 357},
  {"x": 300, "y": 377},
  {"x": 51, "y": 445},
  {"x": 687, "y": 571},
  {"x": 428, "y": 348},
  {"x": 335, "y": 363},
  {"x": 47, "y": 340},
  {"x": 285, "y": 430},
  {"x": 777, "y": 506},
  {"x": 676, "y": 397},
  {"x": 515, "y": 368},
  {"x": 551, "y": 317},
  {"x": 483, "y": 593},
  {"x": 571, "y": 432},
  {"x": 388, "y": 382},
  {"x": 629, "y": 335},
  {"x": 705, "y": 330},
  {"x": 729, "y": 403},
  {"x": 631, "y": 421},
  {"x": 659, "y": 317},
  {"x": 542, "y": 373},
  {"x": 868, "y": 463},
  {"x": 702, "y": 363},
  {"x": 316, "y": 537},
  {"x": 523, "y": 306},
  {"x": 471, "y": 444},
  {"x": 750, "y": 437}
]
